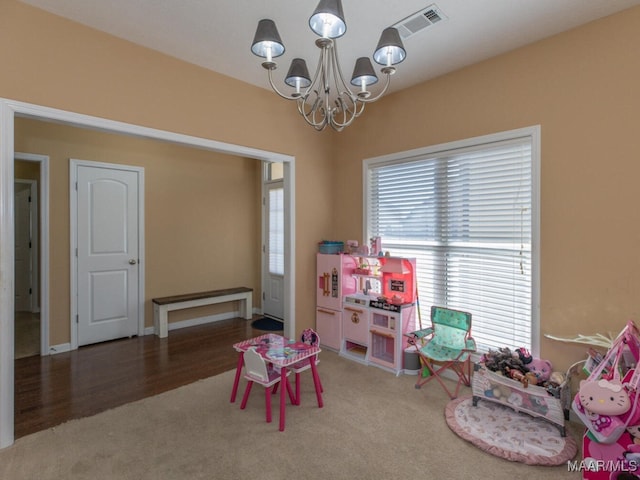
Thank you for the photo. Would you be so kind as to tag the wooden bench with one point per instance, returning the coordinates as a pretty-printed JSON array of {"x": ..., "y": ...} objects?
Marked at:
[{"x": 162, "y": 306}]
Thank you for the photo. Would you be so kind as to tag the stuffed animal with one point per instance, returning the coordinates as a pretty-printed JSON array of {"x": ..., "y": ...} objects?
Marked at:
[
  {"x": 504, "y": 361},
  {"x": 524, "y": 355},
  {"x": 604, "y": 397},
  {"x": 557, "y": 378},
  {"x": 541, "y": 368}
]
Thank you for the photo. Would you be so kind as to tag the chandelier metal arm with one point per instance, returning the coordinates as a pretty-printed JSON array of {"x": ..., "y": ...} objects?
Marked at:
[
  {"x": 341, "y": 84},
  {"x": 313, "y": 104},
  {"x": 328, "y": 99},
  {"x": 310, "y": 113},
  {"x": 387, "y": 82},
  {"x": 273, "y": 86}
]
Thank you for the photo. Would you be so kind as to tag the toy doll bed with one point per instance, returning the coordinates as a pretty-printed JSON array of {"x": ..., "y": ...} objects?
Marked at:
[{"x": 550, "y": 404}]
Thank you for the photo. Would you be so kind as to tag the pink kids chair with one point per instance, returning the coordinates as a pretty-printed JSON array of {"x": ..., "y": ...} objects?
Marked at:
[
  {"x": 310, "y": 337},
  {"x": 256, "y": 371}
]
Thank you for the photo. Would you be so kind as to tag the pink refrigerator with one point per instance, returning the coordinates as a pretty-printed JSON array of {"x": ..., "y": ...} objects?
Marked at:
[{"x": 334, "y": 280}]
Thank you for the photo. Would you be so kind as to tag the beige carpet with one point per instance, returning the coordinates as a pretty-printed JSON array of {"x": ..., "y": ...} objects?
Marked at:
[{"x": 373, "y": 426}]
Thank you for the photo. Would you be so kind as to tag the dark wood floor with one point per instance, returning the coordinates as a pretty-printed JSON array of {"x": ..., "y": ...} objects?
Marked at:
[{"x": 54, "y": 389}]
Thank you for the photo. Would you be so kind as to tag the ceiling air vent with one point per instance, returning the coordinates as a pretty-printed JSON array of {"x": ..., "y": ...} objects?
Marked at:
[{"x": 419, "y": 21}]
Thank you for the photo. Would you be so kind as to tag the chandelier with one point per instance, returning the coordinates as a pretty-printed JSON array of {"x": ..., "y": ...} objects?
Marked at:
[{"x": 327, "y": 99}]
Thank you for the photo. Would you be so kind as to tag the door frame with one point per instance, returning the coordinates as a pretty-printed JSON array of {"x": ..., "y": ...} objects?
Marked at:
[
  {"x": 9, "y": 109},
  {"x": 43, "y": 250},
  {"x": 73, "y": 244}
]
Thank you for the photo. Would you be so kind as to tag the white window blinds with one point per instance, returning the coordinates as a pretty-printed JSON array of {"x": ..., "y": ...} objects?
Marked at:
[
  {"x": 276, "y": 230},
  {"x": 465, "y": 214}
]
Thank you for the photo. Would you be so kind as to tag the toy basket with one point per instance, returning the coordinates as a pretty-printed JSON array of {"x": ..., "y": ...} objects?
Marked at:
[
  {"x": 533, "y": 400},
  {"x": 330, "y": 247}
]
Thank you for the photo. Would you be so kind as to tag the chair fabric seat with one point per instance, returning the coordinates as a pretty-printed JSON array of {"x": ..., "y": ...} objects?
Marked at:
[{"x": 442, "y": 353}]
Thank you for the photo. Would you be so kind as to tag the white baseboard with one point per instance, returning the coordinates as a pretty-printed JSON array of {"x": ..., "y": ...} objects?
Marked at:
[
  {"x": 193, "y": 322},
  {"x": 63, "y": 347}
]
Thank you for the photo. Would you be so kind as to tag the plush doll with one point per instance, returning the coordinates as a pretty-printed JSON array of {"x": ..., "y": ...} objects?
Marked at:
[
  {"x": 541, "y": 368},
  {"x": 524, "y": 355},
  {"x": 526, "y": 379},
  {"x": 504, "y": 361},
  {"x": 557, "y": 378}
]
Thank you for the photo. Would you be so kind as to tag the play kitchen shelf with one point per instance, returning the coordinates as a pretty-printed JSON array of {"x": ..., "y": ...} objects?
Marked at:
[{"x": 364, "y": 306}]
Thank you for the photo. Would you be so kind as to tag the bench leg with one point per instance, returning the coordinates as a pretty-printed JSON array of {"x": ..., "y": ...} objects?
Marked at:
[
  {"x": 247, "y": 313},
  {"x": 160, "y": 320}
]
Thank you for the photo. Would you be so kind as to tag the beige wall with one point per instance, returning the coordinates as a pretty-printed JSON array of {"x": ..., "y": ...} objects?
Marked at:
[
  {"x": 26, "y": 170},
  {"x": 580, "y": 87},
  {"x": 65, "y": 65},
  {"x": 202, "y": 215}
]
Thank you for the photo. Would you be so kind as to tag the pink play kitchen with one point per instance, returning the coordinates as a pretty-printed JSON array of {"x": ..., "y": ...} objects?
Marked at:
[{"x": 365, "y": 304}]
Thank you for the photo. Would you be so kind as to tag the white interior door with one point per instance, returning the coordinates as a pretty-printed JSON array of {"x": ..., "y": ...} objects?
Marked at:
[
  {"x": 107, "y": 252},
  {"x": 273, "y": 283},
  {"x": 23, "y": 257}
]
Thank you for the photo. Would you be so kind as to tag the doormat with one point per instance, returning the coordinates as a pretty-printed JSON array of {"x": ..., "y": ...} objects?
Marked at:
[
  {"x": 266, "y": 323},
  {"x": 508, "y": 434}
]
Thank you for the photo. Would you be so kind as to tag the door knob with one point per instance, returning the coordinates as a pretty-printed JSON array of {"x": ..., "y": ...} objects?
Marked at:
[{"x": 133, "y": 261}]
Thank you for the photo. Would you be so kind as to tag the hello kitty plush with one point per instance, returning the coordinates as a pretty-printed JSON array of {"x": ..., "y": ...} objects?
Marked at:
[
  {"x": 601, "y": 405},
  {"x": 606, "y": 397}
]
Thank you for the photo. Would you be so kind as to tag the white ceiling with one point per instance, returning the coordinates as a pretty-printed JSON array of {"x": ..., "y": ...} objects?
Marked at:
[{"x": 217, "y": 34}]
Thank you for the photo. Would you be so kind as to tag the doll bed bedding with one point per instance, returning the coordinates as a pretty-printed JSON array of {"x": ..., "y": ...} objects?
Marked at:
[{"x": 551, "y": 405}]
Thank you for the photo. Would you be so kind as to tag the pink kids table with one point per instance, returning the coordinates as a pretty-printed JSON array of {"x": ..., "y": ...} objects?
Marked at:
[{"x": 282, "y": 353}]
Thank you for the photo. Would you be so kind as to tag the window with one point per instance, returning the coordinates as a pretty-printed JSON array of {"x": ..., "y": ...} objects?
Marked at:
[
  {"x": 467, "y": 212},
  {"x": 272, "y": 178},
  {"x": 276, "y": 229}
]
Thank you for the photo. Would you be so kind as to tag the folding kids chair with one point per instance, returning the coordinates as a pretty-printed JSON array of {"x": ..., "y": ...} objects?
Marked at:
[
  {"x": 447, "y": 344},
  {"x": 256, "y": 371}
]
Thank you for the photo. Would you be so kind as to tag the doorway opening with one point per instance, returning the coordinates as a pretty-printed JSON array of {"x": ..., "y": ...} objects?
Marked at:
[
  {"x": 9, "y": 109},
  {"x": 31, "y": 249}
]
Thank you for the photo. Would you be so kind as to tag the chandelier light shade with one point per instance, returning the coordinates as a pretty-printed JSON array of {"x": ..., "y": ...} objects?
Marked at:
[
  {"x": 298, "y": 75},
  {"x": 327, "y": 20},
  {"x": 390, "y": 50},
  {"x": 363, "y": 73},
  {"x": 267, "y": 42},
  {"x": 325, "y": 99}
]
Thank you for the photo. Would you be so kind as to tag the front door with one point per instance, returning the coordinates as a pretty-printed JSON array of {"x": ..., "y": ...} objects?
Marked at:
[
  {"x": 273, "y": 283},
  {"x": 108, "y": 264}
]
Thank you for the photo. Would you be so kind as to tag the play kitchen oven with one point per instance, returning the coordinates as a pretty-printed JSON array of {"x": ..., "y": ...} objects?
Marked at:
[
  {"x": 388, "y": 323},
  {"x": 355, "y": 327}
]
